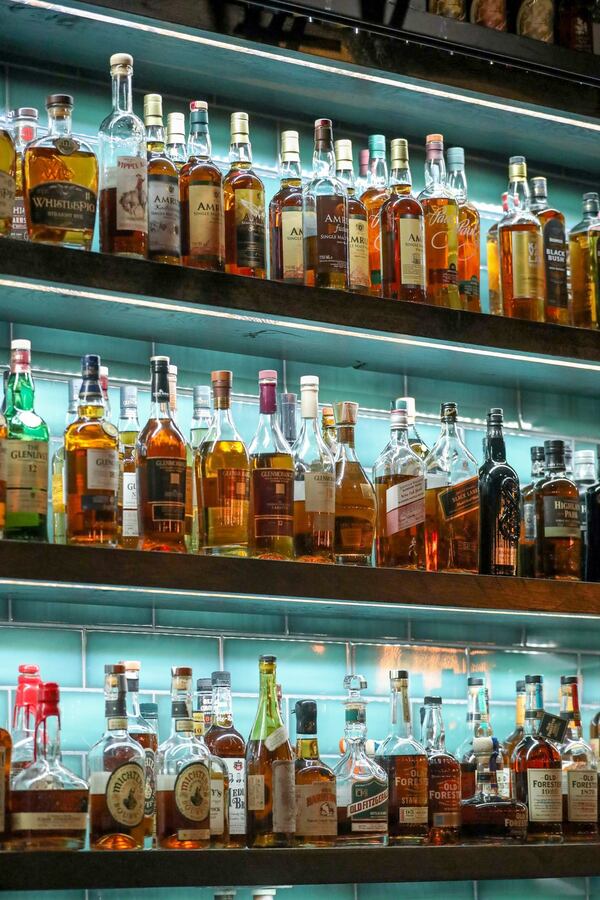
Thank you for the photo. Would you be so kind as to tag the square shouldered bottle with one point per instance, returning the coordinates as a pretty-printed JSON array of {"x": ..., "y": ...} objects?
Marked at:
[
  {"x": 555, "y": 253},
  {"x": 224, "y": 741}
]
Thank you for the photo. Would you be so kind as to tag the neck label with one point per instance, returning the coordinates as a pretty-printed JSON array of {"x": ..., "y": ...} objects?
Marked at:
[
  {"x": 581, "y": 788},
  {"x": 553, "y": 728}
]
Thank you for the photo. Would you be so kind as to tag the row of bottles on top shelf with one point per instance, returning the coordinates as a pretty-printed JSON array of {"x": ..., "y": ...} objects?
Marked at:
[
  {"x": 170, "y": 203},
  {"x": 206, "y": 786},
  {"x": 288, "y": 495}
]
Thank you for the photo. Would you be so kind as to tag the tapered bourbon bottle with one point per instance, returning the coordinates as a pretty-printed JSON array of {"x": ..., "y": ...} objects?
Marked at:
[{"x": 244, "y": 204}]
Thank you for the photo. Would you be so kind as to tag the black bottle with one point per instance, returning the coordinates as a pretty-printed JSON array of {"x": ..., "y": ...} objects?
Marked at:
[
  {"x": 592, "y": 537},
  {"x": 499, "y": 505}
]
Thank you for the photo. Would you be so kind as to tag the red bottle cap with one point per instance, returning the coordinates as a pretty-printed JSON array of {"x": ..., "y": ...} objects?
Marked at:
[
  {"x": 48, "y": 700},
  {"x": 27, "y": 692}
]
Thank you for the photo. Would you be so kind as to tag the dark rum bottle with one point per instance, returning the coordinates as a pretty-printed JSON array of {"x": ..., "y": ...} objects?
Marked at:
[
  {"x": 499, "y": 504},
  {"x": 244, "y": 205},
  {"x": 285, "y": 215}
]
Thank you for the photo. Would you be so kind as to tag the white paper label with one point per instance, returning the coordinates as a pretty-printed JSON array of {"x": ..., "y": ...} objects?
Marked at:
[
  {"x": 102, "y": 470},
  {"x": 437, "y": 480},
  {"x": 413, "y": 815},
  {"x": 320, "y": 492},
  {"x": 405, "y": 505},
  {"x": 2, "y": 791},
  {"x": 544, "y": 795},
  {"x": 217, "y": 805},
  {"x": 7, "y": 195},
  {"x": 130, "y": 178},
  {"x": 292, "y": 248},
  {"x": 164, "y": 235},
  {"x": 49, "y": 821},
  {"x": 193, "y": 834},
  {"x": 299, "y": 491},
  {"x": 237, "y": 795},
  {"x": 284, "y": 796},
  {"x": 503, "y": 781},
  {"x": 582, "y": 790},
  {"x": 130, "y": 527},
  {"x": 316, "y": 810},
  {"x": 256, "y": 793},
  {"x": 26, "y": 476},
  {"x": 276, "y": 738}
]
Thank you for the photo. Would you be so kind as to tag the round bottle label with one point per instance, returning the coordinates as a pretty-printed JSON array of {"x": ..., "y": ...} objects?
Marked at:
[
  {"x": 192, "y": 792},
  {"x": 125, "y": 794}
]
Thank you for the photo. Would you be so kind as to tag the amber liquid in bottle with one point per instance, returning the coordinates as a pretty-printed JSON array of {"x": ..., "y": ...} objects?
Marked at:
[
  {"x": 47, "y": 802},
  {"x": 164, "y": 219},
  {"x": 583, "y": 250},
  {"x": 285, "y": 216},
  {"x": 355, "y": 503},
  {"x": 405, "y": 548},
  {"x": 5, "y": 758},
  {"x": 224, "y": 741},
  {"x": 557, "y": 513},
  {"x": 244, "y": 207},
  {"x": 440, "y": 209},
  {"x": 8, "y": 162},
  {"x": 402, "y": 234}
]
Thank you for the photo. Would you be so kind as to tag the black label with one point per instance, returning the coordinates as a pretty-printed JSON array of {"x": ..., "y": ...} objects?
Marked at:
[
  {"x": 60, "y": 204},
  {"x": 553, "y": 727},
  {"x": 509, "y": 520},
  {"x": 555, "y": 261},
  {"x": 250, "y": 232},
  {"x": 166, "y": 478},
  {"x": 529, "y": 521},
  {"x": 461, "y": 499},
  {"x": 561, "y": 517}
]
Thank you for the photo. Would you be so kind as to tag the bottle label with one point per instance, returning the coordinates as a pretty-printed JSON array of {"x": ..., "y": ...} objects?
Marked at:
[
  {"x": 412, "y": 251},
  {"x": 217, "y": 805},
  {"x": 561, "y": 517},
  {"x": 529, "y": 521},
  {"x": 102, "y": 470},
  {"x": 503, "y": 781},
  {"x": 256, "y": 793},
  {"x": 48, "y": 821},
  {"x": 581, "y": 788},
  {"x": 405, "y": 505},
  {"x": 7, "y": 195},
  {"x": 460, "y": 499},
  {"x": 205, "y": 205},
  {"x": 19, "y": 221},
  {"x": 316, "y": 810},
  {"x": 150, "y": 789},
  {"x": 130, "y": 178},
  {"x": 536, "y": 20},
  {"x": 368, "y": 810},
  {"x": 544, "y": 795},
  {"x": 62, "y": 204},
  {"x": 26, "y": 477},
  {"x": 489, "y": 13},
  {"x": 233, "y": 487},
  {"x": 129, "y": 524},
  {"x": 555, "y": 259},
  {"x": 250, "y": 228},
  {"x": 276, "y": 738},
  {"x": 508, "y": 522},
  {"x": 292, "y": 248},
  {"x": 358, "y": 252},
  {"x": 284, "y": 796},
  {"x": 2, "y": 790},
  {"x": 331, "y": 234},
  {"x": 192, "y": 792},
  {"x": 236, "y": 767},
  {"x": 444, "y": 792},
  {"x": 273, "y": 497},
  {"x": 125, "y": 794},
  {"x": 164, "y": 222},
  {"x": 166, "y": 480},
  {"x": 116, "y": 723},
  {"x": 319, "y": 492},
  {"x": 441, "y": 229},
  {"x": 527, "y": 258}
]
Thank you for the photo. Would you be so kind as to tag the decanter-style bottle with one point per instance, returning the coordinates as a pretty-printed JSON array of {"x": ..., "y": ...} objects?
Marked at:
[
  {"x": 487, "y": 817},
  {"x": 24, "y": 718},
  {"x": 355, "y": 503}
]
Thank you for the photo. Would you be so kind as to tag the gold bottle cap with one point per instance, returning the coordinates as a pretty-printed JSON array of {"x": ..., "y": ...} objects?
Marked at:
[
  {"x": 399, "y": 153},
  {"x": 517, "y": 167},
  {"x": 121, "y": 64},
  {"x": 152, "y": 109},
  {"x": 343, "y": 153},
  {"x": 176, "y": 128},
  {"x": 239, "y": 128},
  {"x": 345, "y": 412},
  {"x": 290, "y": 146}
]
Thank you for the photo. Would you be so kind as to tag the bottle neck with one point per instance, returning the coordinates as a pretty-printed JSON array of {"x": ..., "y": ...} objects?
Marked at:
[
  {"x": 346, "y": 437},
  {"x": 199, "y": 143},
  {"x": 495, "y": 448},
  {"x": 520, "y": 710},
  {"x": 401, "y": 180},
  {"x": 585, "y": 472},
  {"x": 155, "y": 139},
  {"x": 537, "y": 469},
  {"x": 307, "y": 746},
  {"x": 60, "y": 124},
  {"x": 128, "y": 420},
  {"x": 399, "y": 436},
  {"x": 291, "y": 173},
  {"x": 47, "y": 738},
  {"x": 518, "y": 195},
  {"x": 346, "y": 176},
  {"x": 268, "y": 717},
  {"x": 323, "y": 160},
  {"x": 240, "y": 154},
  {"x": 457, "y": 182},
  {"x": 378, "y": 173},
  {"x": 355, "y": 728},
  {"x": 435, "y": 172},
  {"x": 569, "y": 708},
  {"x": 91, "y": 403},
  {"x": 20, "y": 390},
  {"x": 222, "y": 713},
  {"x": 534, "y": 707},
  {"x": 133, "y": 698},
  {"x": 400, "y": 718},
  {"x": 433, "y": 736},
  {"x": 121, "y": 93}
]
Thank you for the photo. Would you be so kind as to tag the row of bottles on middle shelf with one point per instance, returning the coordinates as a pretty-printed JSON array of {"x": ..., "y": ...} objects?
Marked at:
[
  {"x": 289, "y": 495},
  {"x": 206, "y": 786}
]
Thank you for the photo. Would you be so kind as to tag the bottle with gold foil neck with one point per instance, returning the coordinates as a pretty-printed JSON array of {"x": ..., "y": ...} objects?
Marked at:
[
  {"x": 164, "y": 227},
  {"x": 468, "y": 233},
  {"x": 522, "y": 281},
  {"x": 358, "y": 240},
  {"x": 374, "y": 197},
  {"x": 355, "y": 504},
  {"x": 285, "y": 215},
  {"x": 244, "y": 205},
  {"x": 583, "y": 246}
]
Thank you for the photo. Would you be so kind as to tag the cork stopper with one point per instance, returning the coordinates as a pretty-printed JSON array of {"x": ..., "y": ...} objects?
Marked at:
[{"x": 121, "y": 64}]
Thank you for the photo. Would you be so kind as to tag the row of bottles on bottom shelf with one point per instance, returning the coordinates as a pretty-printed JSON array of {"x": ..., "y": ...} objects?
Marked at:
[{"x": 206, "y": 787}]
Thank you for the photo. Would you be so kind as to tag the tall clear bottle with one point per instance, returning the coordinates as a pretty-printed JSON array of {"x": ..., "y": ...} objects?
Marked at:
[
  {"x": 358, "y": 239},
  {"x": 444, "y": 776},
  {"x": 355, "y": 502},
  {"x": 23, "y": 718},
  {"x": 285, "y": 215},
  {"x": 59, "y": 533},
  {"x": 468, "y": 233},
  {"x": 201, "y": 421},
  {"x": 129, "y": 428},
  {"x": 440, "y": 208},
  {"x": 415, "y": 441},
  {"x": 499, "y": 499},
  {"x": 244, "y": 207},
  {"x": 579, "y": 770}
]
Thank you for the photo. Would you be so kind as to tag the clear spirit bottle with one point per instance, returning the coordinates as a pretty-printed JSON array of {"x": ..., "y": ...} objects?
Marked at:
[
  {"x": 24, "y": 122},
  {"x": 23, "y": 719}
]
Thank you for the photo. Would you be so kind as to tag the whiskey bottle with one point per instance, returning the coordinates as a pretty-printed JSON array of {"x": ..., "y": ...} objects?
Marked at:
[
  {"x": 440, "y": 209},
  {"x": 244, "y": 205},
  {"x": 142, "y": 731},
  {"x": 24, "y": 718},
  {"x": 105, "y": 392},
  {"x": 375, "y": 195},
  {"x": 522, "y": 280},
  {"x": 61, "y": 181},
  {"x": 314, "y": 483},
  {"x": 270, "y": 779},
  {"x": 415, "y": 441},
  {"x": 219, "y": 778},
  {"x": 443, "y": 776},
  {"x": 405, "y": 762},
  {"x": 489, "y": 14},
  {"x": 403, "y": 275},
  {"x": 288, "y": 416},
  {"x": 316, "y": 805},
  {"x": 558, "y": 530},
  {"x": 499, "y": 504},
  {"x": 579, "y": 770},
  {"x": 575, "y": 25},
  {"x": 478, "y": 726},
  {"x": 271, "y": 515},
  {"x": 91, "y": 465},
  {"x": 325, "y": 217},
  {"x": 183, "y": 775},
  {"x": 26, "y": 452},
  {"x": 527, "y": 536},
  {"x": 149, "y": 712},
  {"x": 8, "y": 172},
  {"x": 59, "y": 510},
  {"x": 363, "y": 178},
  {"x": 585, "y": 477},
  {"x": 202, "y": 416},
  {"x": 224, "y": 741},
  {"x": 493, "y": 265},
  {"x": 5, "y": 759},
  {"x": 451, "y": 501},
  {"x": 49, "y": 803},
  {"x": 189, "y": 460},
  {"x": 555, "y": 253},
  {"x": 358, "y": 239},
  {"x": 164, "y": 220},
  {"x": 536, "y": 765},
  {"x": 285, "y": 215},
  {"x": 355, "y": 502},
  {"x": 122, "y": 157},
  {"x": 511, "y": 742},
  {"x": 535, "y": 19},
  {"x": 468, "y": 233},
  {"x": 399, "y": 478},
  {"x": 451, "y": 9},
  {"x": 129, "y": 428},
  {"x": 361, "y": 783},
  {"x": 175, "y": 147},
  {"x": 487, "y": 817},
  {"x": 24, "y": 121},
  {"x": 201, "y": 190},
  {"x": 584, "y": 286},
  {"x": 592, "y": 539},
  {"x": 328, "y": 429},
  {"x": 161, "y": 455},
  {"x": 116, "y": 766}
]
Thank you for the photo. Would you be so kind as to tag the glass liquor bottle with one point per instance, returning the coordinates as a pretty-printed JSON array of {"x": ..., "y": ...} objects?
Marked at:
[
  {"x": 415, "y": 441},
  {"x": 244, "y": 205},
  {"x": 182, "y": 775},
  {"x": 361, "y": 783},
  {"x": 493, "y": 264},
  {"x": 451, "y": 9},
  {"x": 499, "y": 509},
  {"x": 59, "y": 511},
  {"x": 122, "y": 157},
  {"x": 271, "y": 515},
  {"x": 161, "y": 455},
  {"x": 49, "y": 803},
  {"x": 443, "y": 776},
  {"x": 149, "y": 712},
  {"x": 201, "y": 421},
  {"x": 325, "y": 217},
  {"x": 5, "y": 757},
  {"x": 405, "y": 762},
  {"x": 451, "y": 501},
  {"x": 189, "y": 461},
  {"x": 358, "y": 239},
  {"x": 592, "y": 541},
  {"x": 511, "y": 742},
  {"x": 362, "y": 180},
  {"x": 558, "y": 530},
  {"x": 535, "y": 19},
  {"x": 468, "y": 233},
  {"x": 116, "y": 767},
  {"x": 8, "y": 173},
  {"x": 316, "y": 804},
  {"x": 314, "y": 483},
  {"x": 374, "y": 196},
  {"x": 440, "y": 209},
  {"x": 584, "y": 286},
  {"x": 105, "y": 392},
  {"x": 527, "y": 536},
  {"x": 285, "y": 215},
  {"x": 176, "y": 148},
  {"x": 399, "y": 479},
  {"x": 26, "y": 452},
  {"x": 575, "y": 25},
  {"x": 142, "y": 731},
  {"x": 403, "y": 274},
  {"x": 288, "y": 416},
  {"x": 164, "y": 221},
  {"x": 478, "y": 726},
  {"x": 224, "y": 741},
  {"x": 355, "y": 502},
  {"x": 585, "y": 477},
  {"x": 201, "y": 190},
  {"x": 487, "y": 817},
  {"x": 24, "y": 121},
  {"x": 24, "y": 718},
  {"x": 91, "y": 465},
  {"x": 595, "y": 734},
  {"x": 537, "y": 767},
  {"x": 328, "y": 429},
  {"x": 579, "y": 770},
  {"x": 270, "y": 778},
  {"x": 219, "y": 776},
  {"x": 129, "y": 428},
  {"x": 520, "y": 240},
  {"x": 555, "y": 253},
  {"x": 489, "y": 14}
]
